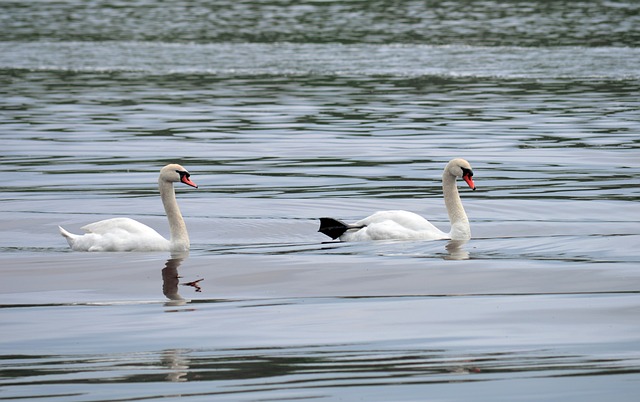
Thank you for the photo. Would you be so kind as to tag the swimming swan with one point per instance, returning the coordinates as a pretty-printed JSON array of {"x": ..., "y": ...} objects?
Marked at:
[
  {"x": 403, "y": 225},
  {"x": 124, "y": 234}
]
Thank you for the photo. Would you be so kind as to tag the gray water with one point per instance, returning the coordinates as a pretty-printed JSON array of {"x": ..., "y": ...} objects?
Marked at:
[{"x": 285, "y": 112}]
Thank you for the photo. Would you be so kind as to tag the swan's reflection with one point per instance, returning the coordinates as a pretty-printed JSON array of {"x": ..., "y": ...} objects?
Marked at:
[
  {"x": 456, "y": 250},
  {"x": 171, "y": 279},
  {"x": 177, "y": 363}
]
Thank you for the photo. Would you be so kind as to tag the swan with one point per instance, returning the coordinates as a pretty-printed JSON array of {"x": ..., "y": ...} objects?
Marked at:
[
  {"x": 125, "y": 234},
  {"x": 404, "y": 225}
]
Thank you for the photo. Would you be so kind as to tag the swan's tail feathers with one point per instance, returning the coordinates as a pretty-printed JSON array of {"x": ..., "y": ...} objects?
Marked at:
[
  {"x": 67, "y": 235},
  {"x": 332, "y": 227}
]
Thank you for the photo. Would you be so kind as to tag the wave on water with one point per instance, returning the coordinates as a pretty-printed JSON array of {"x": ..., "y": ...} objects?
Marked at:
[{"x": 612, "y": 63}]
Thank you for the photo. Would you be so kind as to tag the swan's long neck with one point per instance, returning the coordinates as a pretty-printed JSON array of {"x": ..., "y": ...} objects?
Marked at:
[
  {"x": 460, "y": 229},
  {"x": 179, "y": 236}
]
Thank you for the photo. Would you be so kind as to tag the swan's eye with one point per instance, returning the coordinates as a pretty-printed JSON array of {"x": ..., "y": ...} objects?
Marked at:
[
  {"x": 182, "y": 173},
  {"x": 467, "y": 172}
]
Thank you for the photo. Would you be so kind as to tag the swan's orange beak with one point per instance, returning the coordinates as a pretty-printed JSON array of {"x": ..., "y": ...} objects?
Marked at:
[
  {"x": 186, "y": 180},
  {"x": 469, "y": 179}
]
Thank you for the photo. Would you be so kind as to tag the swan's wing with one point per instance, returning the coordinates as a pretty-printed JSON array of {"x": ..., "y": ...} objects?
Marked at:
[
  {"x": 118, "y": 234},
  {"x": 405, "y": 219},
  {"x": 399, "y": 225},
  {"x": 120, "y": 225}
]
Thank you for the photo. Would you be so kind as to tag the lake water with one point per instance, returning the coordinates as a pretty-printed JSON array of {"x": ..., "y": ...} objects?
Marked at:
[{"x": 285, "y": 112}]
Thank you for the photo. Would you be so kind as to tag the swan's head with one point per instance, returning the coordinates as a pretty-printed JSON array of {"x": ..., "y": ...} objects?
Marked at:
[
  {"x": 174, "y": 173},
  {"x": 461, "y": 168}
]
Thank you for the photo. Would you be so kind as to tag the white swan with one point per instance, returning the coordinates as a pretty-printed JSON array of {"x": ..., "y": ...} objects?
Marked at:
[
  {"x": 403, "y": 225},
  {"x": 124, "y": 234}
]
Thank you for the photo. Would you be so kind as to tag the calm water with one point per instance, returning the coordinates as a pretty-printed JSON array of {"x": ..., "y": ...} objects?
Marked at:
[{"x": 288, "y": 111}]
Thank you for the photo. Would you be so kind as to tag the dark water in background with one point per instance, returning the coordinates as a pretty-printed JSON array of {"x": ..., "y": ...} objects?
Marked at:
[
  {"x": 288, "y": 111},
  {"x": 475, "y": 23}
]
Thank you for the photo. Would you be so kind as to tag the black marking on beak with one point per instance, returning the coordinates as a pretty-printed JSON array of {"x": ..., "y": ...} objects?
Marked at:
[{"x": 184, "y": 178}]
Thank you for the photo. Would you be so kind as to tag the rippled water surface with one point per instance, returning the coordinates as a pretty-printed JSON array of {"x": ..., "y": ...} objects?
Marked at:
[{"x": 285, "y": 112}]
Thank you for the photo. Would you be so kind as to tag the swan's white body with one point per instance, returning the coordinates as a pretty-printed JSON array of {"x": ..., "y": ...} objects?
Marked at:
[
  {"x": 404, "y": 225},
  {"x": 125, "y": 234},
  {"x": 398, "y": 225}
]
